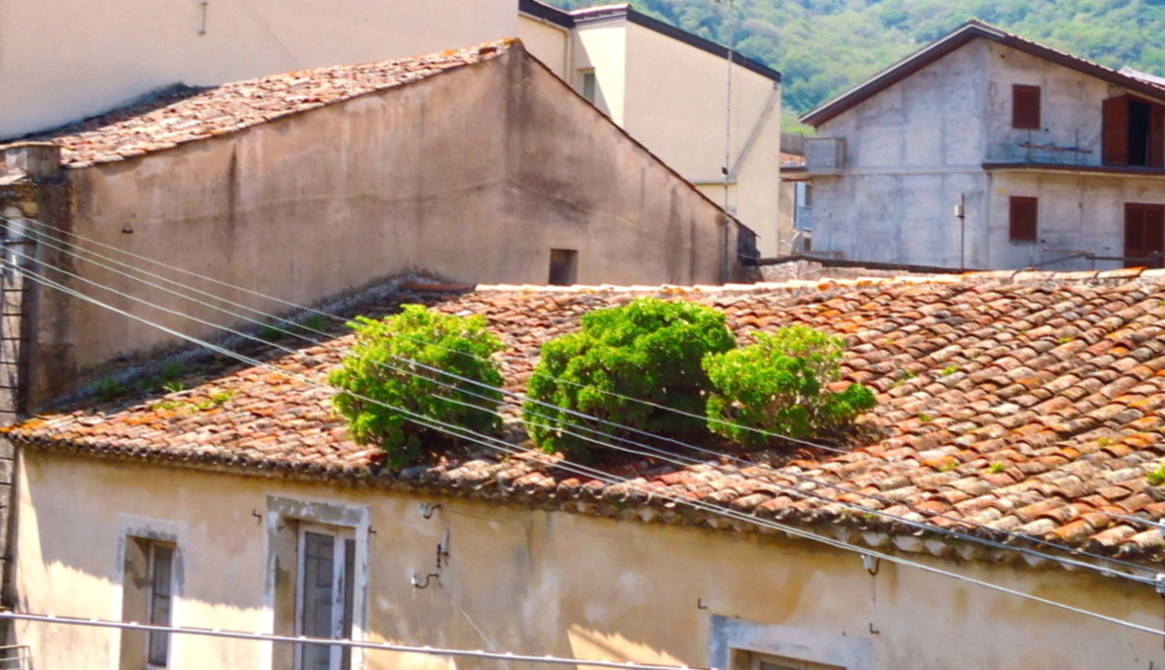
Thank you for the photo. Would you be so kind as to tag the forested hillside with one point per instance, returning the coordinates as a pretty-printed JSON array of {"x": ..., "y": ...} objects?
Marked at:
[{"x": 825, "y": 46}]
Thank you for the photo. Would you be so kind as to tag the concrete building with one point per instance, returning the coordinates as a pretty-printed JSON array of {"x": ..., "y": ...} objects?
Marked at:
[
  {"x": 242, "y": 486},
  {"x": 476, "y": 165},
  {"x": 712, "y": 114},
  {"x": 986, "y": 150}
]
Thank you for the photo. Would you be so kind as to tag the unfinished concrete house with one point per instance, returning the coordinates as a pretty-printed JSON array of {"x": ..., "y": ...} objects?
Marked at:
[
  {"x": 986, "y": 150},
  {"x": 476, "y": 165}
]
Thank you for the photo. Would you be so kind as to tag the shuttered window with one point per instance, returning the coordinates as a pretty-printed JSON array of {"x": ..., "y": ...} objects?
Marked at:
[
  {"x": 1024, "y": 215},
  {"x": 1025, "y": 107}
]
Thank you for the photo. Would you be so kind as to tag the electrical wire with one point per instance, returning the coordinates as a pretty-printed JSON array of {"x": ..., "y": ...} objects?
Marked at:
[
  {"x": 508, "y": 657},
  {"x": 485, "y": 440},
  {"x": 654, "y": 452},
  {"x": 537, "y": 373}
]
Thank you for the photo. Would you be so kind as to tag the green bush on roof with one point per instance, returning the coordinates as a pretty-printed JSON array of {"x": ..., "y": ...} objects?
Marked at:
[{"x": 409, "y": 365}]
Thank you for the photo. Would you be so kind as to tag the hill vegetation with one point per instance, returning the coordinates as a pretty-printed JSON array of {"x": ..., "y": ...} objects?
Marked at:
[{"x": 823, "y": 47}]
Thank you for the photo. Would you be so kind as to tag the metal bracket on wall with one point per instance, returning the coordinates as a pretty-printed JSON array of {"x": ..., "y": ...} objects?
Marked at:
[{"x": 415, "y": 580}]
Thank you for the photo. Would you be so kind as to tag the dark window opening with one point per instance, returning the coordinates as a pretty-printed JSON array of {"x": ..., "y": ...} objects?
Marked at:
[
  {"x": 1025, "y": 107},
  {"x": 1144, "y": 235},
  {"x": 1134, "y": 132},
  {"x": 563, "y": 267},
  {"x": 1138, "y": 132},
  {"x": 1024, "y": 217}
]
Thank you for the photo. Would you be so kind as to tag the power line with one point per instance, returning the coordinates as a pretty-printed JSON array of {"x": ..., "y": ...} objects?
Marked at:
[
  {"x": 293, "y": 305},
  {"x": 491, "y": 442},
  {"x": 655, "y": 452},
  {"x": 509, "y": 657}
]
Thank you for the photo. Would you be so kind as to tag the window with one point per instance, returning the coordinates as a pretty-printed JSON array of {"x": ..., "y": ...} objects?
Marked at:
[
  {"x": 148, "y": 582},
  {"x": 327, "y": 566},
  {"x": 753, "y": 645},
  {"x": 563, "y": 267},
  {"x": 1024, "y": 218},
  {"x": 1025, "y": 107},
  {"x": 317, "y": 565},
  {"x": 588, "y": 85},
  {"x": 766, "y": 662},
  {"x": 1133, "y": 133}
]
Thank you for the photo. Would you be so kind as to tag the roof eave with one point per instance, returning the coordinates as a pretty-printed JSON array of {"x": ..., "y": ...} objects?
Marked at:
[
  {"x": 898, "y": 71},
  {"x": 955, "y": 40}
]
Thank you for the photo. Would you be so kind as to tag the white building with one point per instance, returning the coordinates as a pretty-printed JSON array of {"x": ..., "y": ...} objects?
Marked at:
[
  {"x": 1052, "y": 160},
  {"x": 707, "y": 111}
]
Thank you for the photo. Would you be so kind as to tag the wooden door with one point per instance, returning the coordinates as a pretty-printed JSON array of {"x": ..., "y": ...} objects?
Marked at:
[{"x": 1144, "y": 235}]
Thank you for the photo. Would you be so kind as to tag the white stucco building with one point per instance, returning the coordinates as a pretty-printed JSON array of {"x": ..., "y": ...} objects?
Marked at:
[
  {"x": 709, "y": 112},
  {"x": 1052, "y": 160}
]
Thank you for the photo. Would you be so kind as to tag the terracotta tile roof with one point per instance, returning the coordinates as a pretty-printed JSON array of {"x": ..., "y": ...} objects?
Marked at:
[
  {"x": 183, "y": 114},
  {"x": 1030, "y": 404}
]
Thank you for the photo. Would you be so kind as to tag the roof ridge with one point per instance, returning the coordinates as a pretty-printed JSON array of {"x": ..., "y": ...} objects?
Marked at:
[
  {"x": 1022, "y": 276},
  {"x": 246, "y": 103}
]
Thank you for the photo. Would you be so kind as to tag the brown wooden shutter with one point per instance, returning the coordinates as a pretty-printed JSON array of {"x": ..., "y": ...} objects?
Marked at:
[
  {"x": 1025, "y": 107},
  {"x": 1157, "y": 136},
  {"x": 1024, "y": 216},
  {"x": 1115, "y": 131}
]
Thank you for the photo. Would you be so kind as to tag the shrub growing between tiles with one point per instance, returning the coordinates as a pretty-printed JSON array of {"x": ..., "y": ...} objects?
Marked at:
[
  {"x": 390, "y": 363},
  {"x": 779, "y": 384},
  {"x": 649, "y": 350}
]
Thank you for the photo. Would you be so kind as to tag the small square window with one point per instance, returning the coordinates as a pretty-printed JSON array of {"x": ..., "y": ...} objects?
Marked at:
[
  {"x": 1024, "y": 218},
  {"x": 1025, "y": 107},
  {"x": 563, "y": 267}
]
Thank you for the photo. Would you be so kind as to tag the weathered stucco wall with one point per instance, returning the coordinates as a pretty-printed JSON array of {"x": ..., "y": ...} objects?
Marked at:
[
  {"x": 68, "y": 59},
  {"x": 591, "y": 188},
  {"x": 673, "y": 97},
  {"x": 475, "y": 175},
  {"x": 539, "y": 583}
]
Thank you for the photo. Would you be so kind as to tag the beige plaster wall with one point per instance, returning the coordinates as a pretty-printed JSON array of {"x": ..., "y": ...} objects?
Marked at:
[
  {"x": 67, "y": 59},
  {"x": 474, "y": 175},
  {"x": 603, "y": 48},
  {"x": 550, "y": 43},
  {"x": 539, "y": 583}
]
